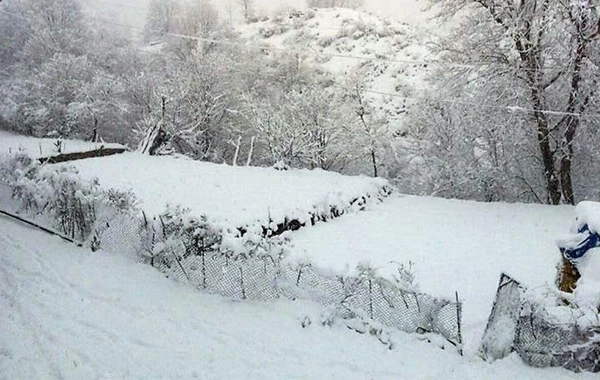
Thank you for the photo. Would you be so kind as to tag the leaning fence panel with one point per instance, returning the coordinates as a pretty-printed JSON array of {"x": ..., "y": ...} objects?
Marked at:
[
  {"x": 520, "y": 323},
  {"x": 497, "y": 341}
]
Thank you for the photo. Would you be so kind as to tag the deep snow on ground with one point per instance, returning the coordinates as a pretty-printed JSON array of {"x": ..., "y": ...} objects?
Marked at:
[
  {"x": 11, "y": 143},
  {"x": 236, "y": 196},
  {"x": 69, "y": 313},
  {"x": 455, "y": 246}
]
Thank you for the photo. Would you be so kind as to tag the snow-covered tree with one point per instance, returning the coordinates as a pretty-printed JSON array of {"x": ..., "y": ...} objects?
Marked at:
[
  {"x": 538, "y": 58},
  {"x": 161, "y": 19},
  {"x": 66, "y": 73}
]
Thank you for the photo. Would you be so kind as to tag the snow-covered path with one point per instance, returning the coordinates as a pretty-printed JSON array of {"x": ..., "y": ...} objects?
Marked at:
[{"x": 68, "y": 313}]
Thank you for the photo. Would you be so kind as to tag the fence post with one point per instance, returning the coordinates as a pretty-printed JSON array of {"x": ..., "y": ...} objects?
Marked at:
[
  {"x": 299, "y": 274},
  {"x": 242, "y": 283},
  {"x": 371, "y": 298},
  {"x": 459, "y": 323},
  {"x": 203, "y": 255}
]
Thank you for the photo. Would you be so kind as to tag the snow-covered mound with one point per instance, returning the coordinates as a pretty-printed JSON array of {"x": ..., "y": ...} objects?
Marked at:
[
  {"x": 454, "y": 245},
  {"x": 69, "y": 313},
  {"x": 237, "y": 196},
  {"x": 44, "y": 147}
]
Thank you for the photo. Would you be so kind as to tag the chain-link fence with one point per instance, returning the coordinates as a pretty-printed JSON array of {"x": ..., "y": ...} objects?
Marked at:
[
  {"x": 182, "y": 254},
  {"x": 265, "y": 278},
  {"x": 516, "y": 324}
]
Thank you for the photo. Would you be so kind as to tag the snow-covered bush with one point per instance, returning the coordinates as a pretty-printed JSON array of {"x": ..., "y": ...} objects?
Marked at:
[
  {"x": 334, "y": 3},
  {"x": 59, "y": 194},
  {"x": 71, "y": 201},
  {"x": 57, "y": 191},
  {"x": 175, "y": 235},
  {"x": 178, "y": 234},
  {"x": 274, "y": 30}
]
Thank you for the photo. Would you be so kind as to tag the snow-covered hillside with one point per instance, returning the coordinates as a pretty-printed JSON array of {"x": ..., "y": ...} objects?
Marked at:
[
  {"x": 384, "y": 45},
  {"x": 134, "y": 11},
  {"x": 386, "y": 57},
  {"x": 68, "y": 313}
]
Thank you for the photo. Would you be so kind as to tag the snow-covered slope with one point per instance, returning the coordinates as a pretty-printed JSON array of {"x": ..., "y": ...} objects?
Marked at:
[
  {"x": 387, "y": 43},
  {"x": 454, "y": 245},
  {"x": 68, "y": 313},
  {"x": 134, "y": 11},
  {"x": 353, "y": 46}
]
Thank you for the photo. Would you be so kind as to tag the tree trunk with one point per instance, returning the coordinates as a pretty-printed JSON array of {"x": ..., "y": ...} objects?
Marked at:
[
  {"x": 574, "y": 105},
  {"x": 374, "y": 160},
  {"x": 543, "y": 137}
]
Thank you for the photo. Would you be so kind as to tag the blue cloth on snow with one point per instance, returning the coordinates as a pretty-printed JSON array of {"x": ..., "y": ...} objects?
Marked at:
[{"x": 588, "y": 241}]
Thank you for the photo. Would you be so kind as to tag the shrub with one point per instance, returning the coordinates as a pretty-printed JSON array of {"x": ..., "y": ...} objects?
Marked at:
[{"x": 334, "y": 3}]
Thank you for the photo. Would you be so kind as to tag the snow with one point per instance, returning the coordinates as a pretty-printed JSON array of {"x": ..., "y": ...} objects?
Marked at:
[
  {"x": 68, "y": 313},
  {"x": 134, "y": 11},
  {"x": 34, "y": 147},
  {"x": 236, "y": 196},
  {"x": 501, "y": 336},
  {"x": 587, "y": 290},
  {"x": 454, "y": 245},
  {"x": 587, "y": 213}
]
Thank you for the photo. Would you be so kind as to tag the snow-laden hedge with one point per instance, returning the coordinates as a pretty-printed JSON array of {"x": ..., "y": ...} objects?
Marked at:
[{"x": 59, "y": 194}]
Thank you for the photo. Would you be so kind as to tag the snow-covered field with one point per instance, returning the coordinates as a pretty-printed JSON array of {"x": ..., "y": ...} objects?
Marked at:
[
  {"x": 11, "y": 143},
  {"x": 237, "y": 196},
  {"x": 68, "y": 313}
]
